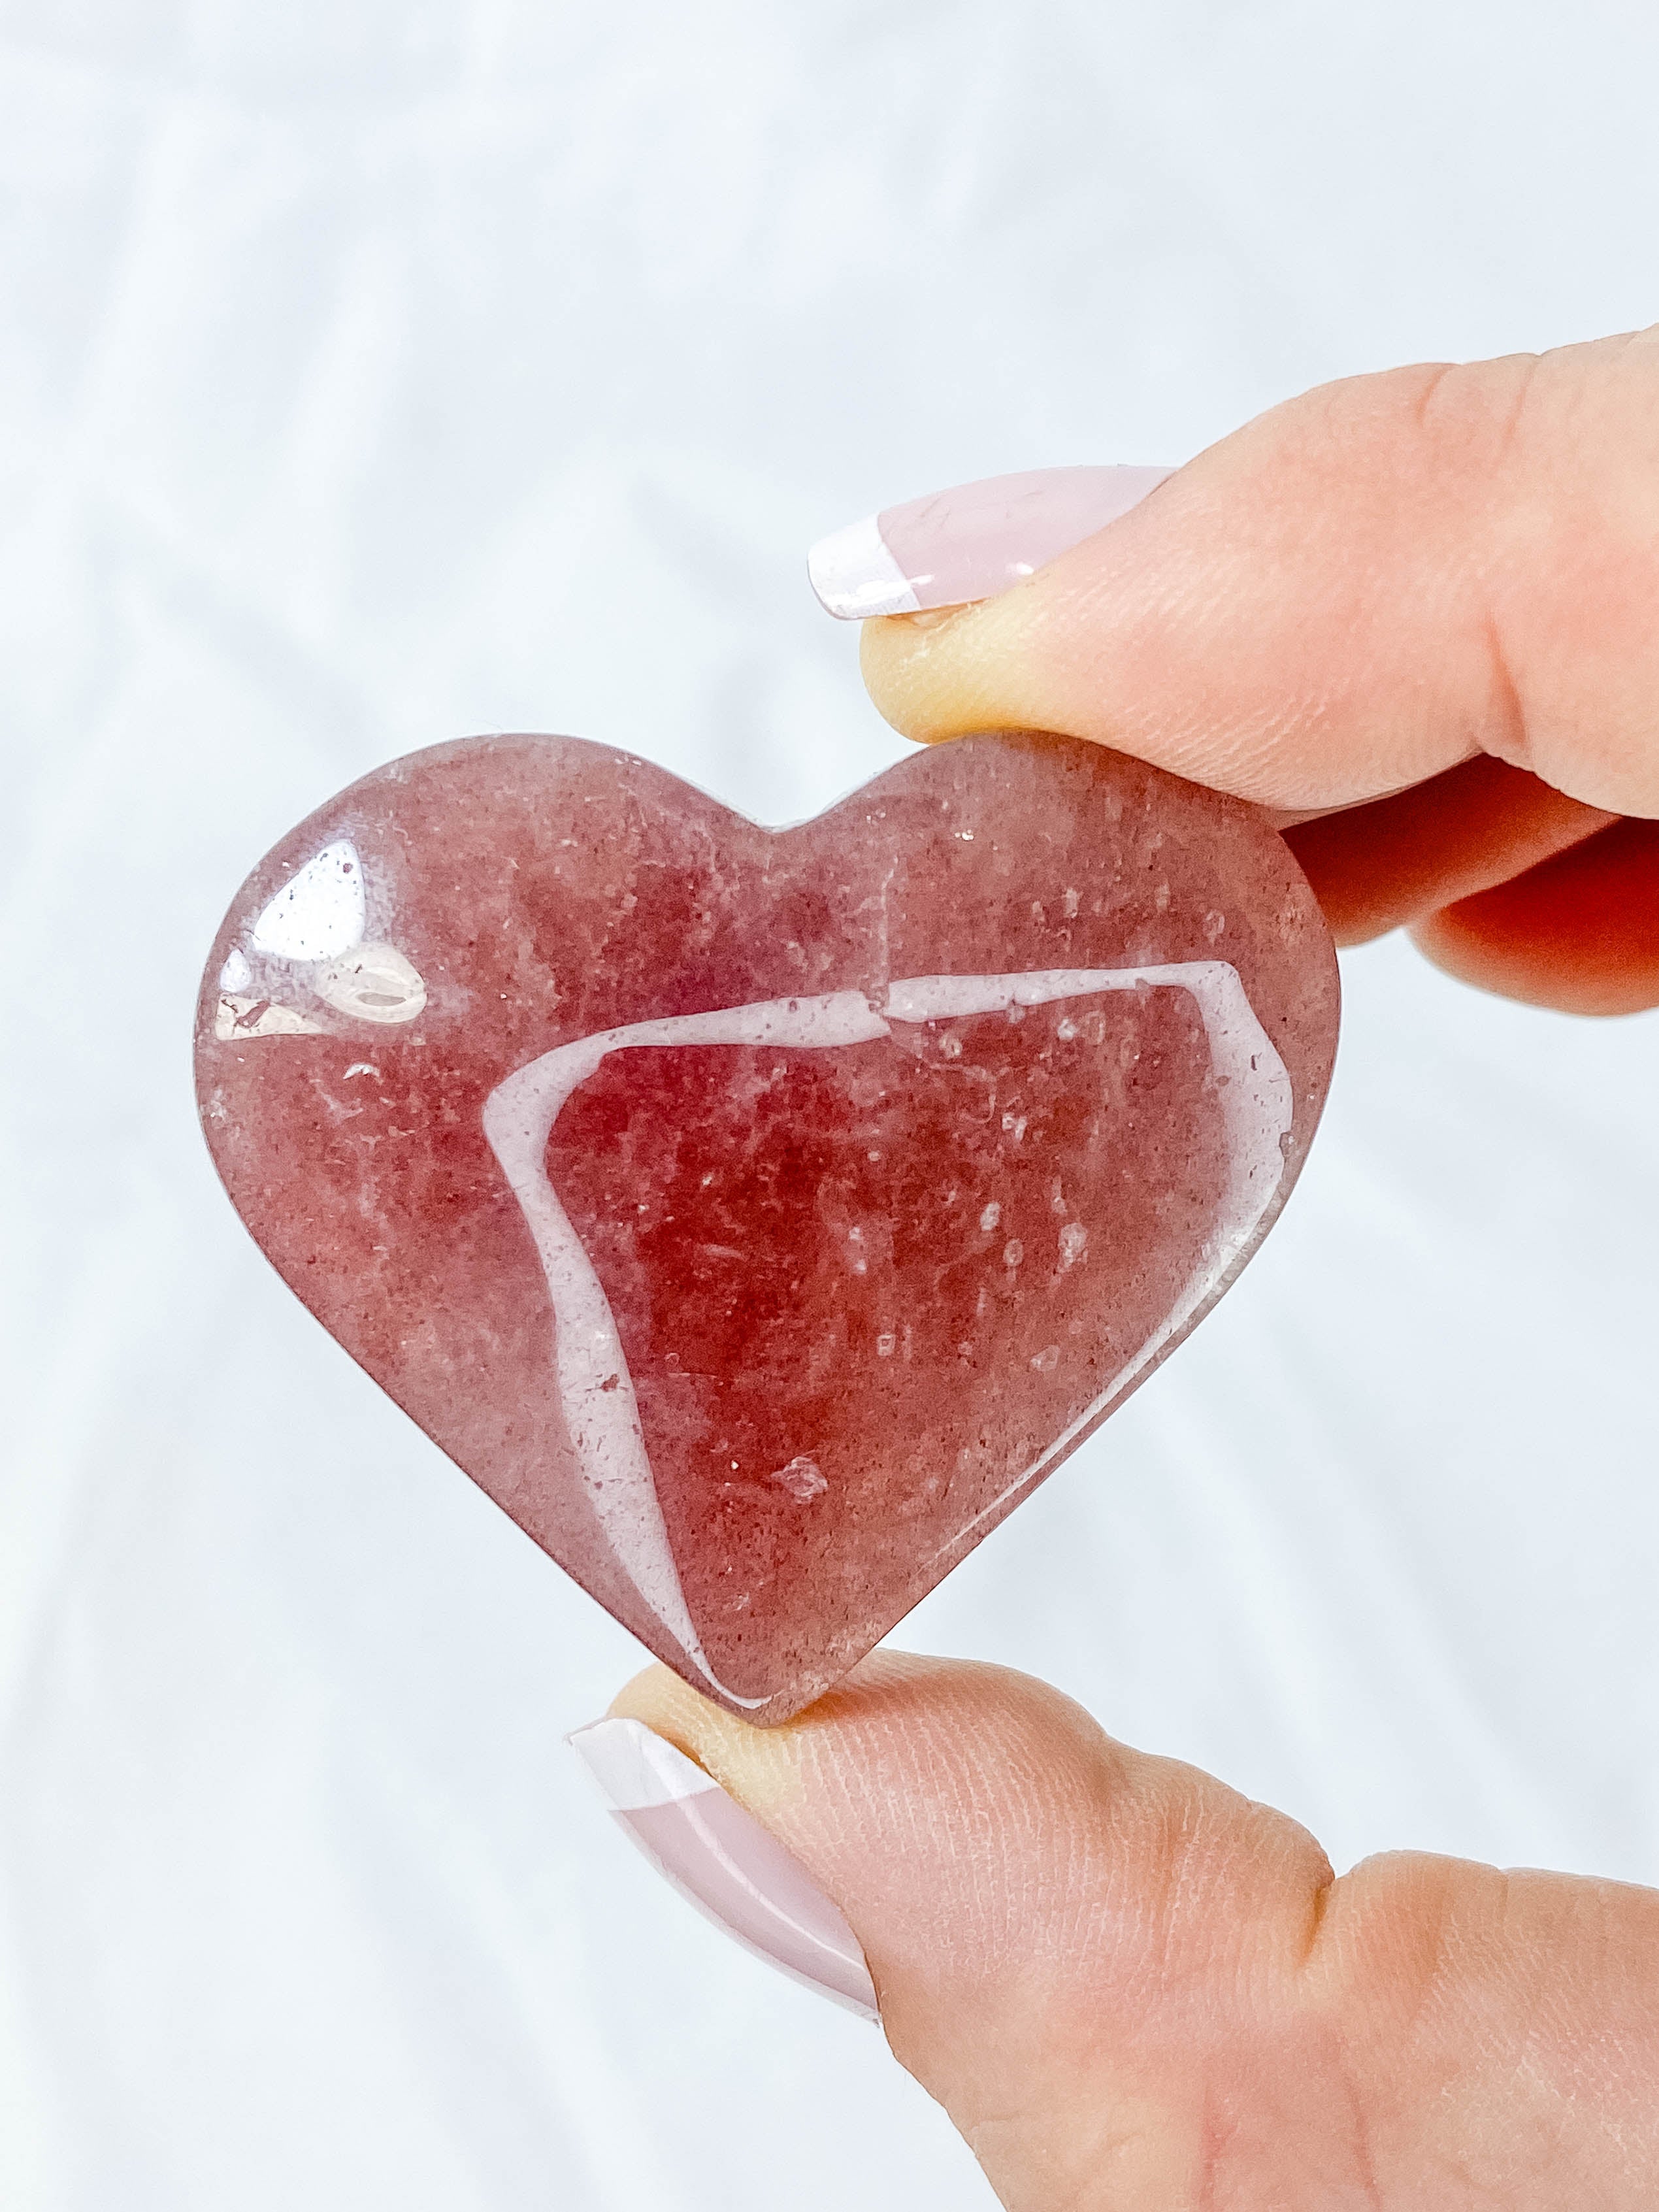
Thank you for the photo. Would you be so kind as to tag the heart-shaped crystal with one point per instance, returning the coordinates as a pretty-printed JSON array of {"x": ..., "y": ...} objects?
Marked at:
[{"x": 758, "y": 1216}]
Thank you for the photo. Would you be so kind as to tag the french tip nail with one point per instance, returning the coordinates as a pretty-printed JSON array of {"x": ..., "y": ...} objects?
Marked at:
[
  {"x": 970, "y": 543},
  {"x": 722, "y": 1859},
  {"x": 855, "y": 576}
]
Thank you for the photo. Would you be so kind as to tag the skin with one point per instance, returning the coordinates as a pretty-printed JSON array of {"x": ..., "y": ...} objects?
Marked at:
[{"x": 1417, "y": 615}]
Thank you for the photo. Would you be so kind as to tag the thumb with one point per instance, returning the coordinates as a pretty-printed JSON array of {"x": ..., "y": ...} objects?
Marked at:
[
  {"x": 1357, "y": 591},
  {"x": 1425, "y": 598},
  {"x": 1132, "y": 1988}
]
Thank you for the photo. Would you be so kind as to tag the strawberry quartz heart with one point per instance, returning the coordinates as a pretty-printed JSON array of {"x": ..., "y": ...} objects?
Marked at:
[{"x": 758, "y": 1216}]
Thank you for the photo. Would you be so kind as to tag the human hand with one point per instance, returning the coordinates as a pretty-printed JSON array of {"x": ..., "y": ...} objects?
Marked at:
[
  {"x": 1430, "y": 599},
  {"x": 1133, "y": 1990}
]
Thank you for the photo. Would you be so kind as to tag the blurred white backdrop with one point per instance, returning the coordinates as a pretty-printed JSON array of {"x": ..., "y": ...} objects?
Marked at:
[{"x": 377, "y": 371}]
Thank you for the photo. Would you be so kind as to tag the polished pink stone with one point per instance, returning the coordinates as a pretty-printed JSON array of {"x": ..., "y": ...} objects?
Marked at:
[{"x": 758, "y": 1216}]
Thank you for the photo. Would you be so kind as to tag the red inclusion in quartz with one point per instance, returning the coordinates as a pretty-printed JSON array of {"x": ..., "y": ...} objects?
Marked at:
[{"x": 757, "y": 1216}]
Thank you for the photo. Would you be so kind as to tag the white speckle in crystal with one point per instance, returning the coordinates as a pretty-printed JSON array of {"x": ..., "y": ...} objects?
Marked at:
[
  {"x": 802, "y": 1478},
  {"x": 989, "y": 1219}
]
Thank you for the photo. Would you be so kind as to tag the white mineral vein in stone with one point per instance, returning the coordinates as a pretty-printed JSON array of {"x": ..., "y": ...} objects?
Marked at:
[{"x": 595, "y": 1388}]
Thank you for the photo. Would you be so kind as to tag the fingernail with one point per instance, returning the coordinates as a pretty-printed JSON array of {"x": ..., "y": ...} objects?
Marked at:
[
  {"x": 736, "y": 1873},
  {"x": 970, "y": 542}
]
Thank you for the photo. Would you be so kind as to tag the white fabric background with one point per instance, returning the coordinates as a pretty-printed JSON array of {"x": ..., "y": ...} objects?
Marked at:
[{"x": 373, "y": 373}]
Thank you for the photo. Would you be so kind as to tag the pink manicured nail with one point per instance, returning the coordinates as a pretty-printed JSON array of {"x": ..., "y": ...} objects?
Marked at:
[
  {"x": 970, "y": 542},
  {"x": 721, "y": 1858}
]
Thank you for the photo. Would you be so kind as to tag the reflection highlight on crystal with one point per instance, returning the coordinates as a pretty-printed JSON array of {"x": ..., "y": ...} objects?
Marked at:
[
  {"x": 319, "y": 913},
  {"x": 376, "y": 984},
  {"x": 317, "y": 922}
]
